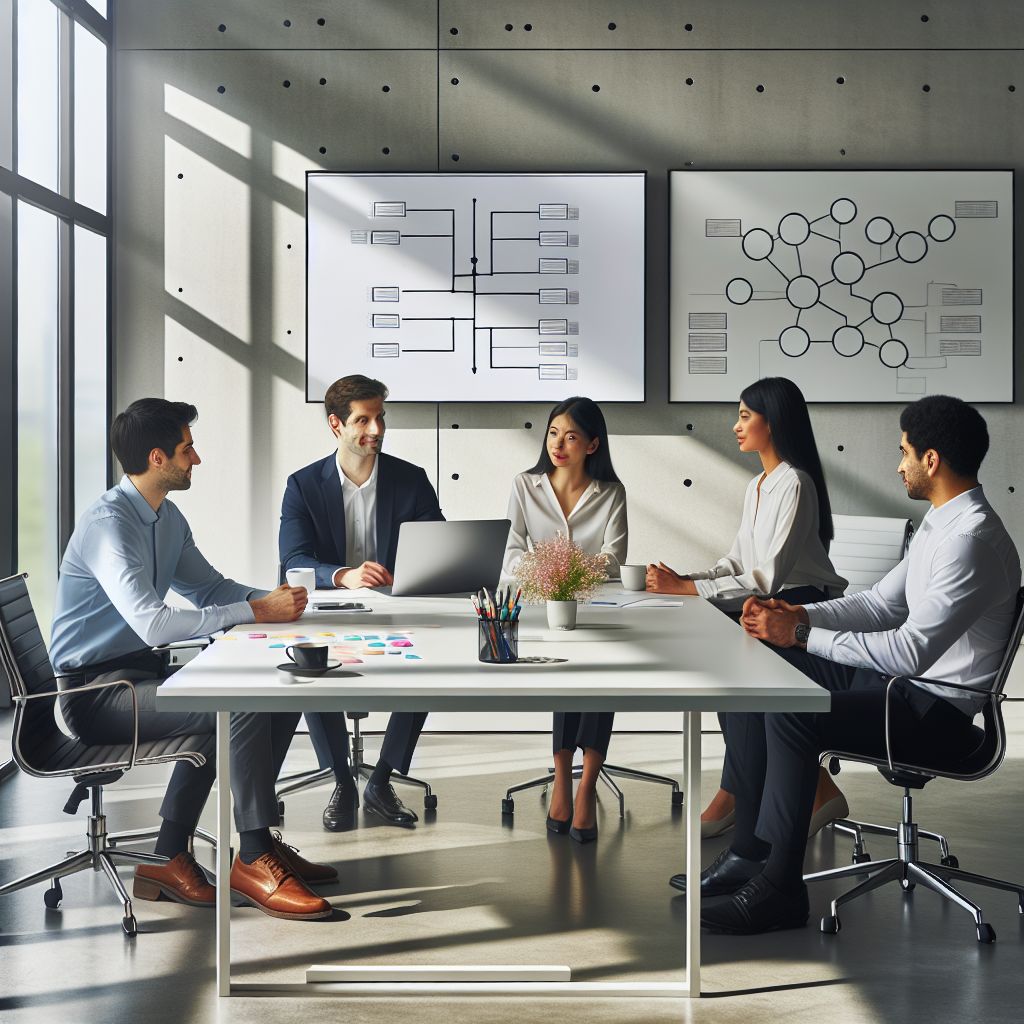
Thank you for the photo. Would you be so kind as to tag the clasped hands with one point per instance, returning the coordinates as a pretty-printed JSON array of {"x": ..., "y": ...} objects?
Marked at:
[{"x": 773, "y": 621}]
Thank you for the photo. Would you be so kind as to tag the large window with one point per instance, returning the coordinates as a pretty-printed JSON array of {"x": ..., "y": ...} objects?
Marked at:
[{"x": 55, "y": 86}]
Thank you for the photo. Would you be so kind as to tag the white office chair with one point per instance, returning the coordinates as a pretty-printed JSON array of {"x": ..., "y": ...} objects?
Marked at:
[{"x": 865, "y": 548}]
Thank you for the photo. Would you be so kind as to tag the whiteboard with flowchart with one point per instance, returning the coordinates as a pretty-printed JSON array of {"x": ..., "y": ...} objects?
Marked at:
[
  {"x": 877, "y": 286},
  {"x": 477, "y": 287}
]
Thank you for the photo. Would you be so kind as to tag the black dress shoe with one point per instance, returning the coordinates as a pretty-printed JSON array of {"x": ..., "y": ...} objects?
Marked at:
[
  {"x": 340, "y": 812},
  {"x": 727, "y": 873},
  {"x": 383, "y": 801},
  {"x": 757, "y": 907}
]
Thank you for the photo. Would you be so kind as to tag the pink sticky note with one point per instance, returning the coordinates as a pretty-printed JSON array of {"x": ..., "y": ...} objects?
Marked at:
[
  {"x": 351, "y": 661},
  {"x": 401, "y": 643},
  {"x": 257, "y": 636}
]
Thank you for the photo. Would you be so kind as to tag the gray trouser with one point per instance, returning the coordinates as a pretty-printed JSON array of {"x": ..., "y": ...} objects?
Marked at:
[{"x": 259, "y": 742}]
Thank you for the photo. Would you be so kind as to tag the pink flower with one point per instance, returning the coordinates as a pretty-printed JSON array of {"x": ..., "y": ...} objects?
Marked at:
[{"x": 560, "y": 570}]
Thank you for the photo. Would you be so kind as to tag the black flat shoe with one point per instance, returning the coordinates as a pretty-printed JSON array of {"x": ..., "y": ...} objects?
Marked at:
[
  {"x": 558, "y": 827},
  {"x": 583, "y": 835},
  {"x": 383, "y": 801},
  {"x": 340, "y": 812},
  {"x": 755, "y": 908},
  {"x": 726, "y": 873}
]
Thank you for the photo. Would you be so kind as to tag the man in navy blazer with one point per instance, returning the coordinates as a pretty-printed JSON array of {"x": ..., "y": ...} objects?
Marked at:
[{"x": 340, "y": 516}]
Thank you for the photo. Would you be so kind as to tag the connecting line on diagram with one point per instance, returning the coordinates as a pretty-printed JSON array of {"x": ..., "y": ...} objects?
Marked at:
[{"x": 480, "y": 289}]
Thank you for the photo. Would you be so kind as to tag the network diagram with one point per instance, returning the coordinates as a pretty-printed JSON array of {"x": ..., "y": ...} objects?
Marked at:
[
  {"x": 888, "y": 289},
  {"x": 476, "y": 287}
]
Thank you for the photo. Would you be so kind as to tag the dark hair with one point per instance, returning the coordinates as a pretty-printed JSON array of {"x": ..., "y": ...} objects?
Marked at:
[
  {"x": 147, "y": 424},
  {"x": 782, "y": 404},
  {"x": 588, "y": 417},
  {"x": 956, "y": 430},
  {"x": 354, "y": 388}
]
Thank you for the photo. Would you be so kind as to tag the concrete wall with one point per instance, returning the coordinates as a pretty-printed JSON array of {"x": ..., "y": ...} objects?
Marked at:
[{"x": 212, "y": 147}]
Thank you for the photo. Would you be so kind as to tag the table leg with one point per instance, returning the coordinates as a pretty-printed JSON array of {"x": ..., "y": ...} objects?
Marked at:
[
  {"x": 223, "y": 869},
  {"x": 691, "y": 774}
]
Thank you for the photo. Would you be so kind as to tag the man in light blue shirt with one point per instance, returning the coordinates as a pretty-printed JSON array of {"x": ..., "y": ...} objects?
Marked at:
[{"x": 128, "y": 550}]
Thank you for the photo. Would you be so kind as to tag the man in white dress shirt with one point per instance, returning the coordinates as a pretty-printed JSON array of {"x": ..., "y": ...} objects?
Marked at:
[{"x": 945, "y": 613}]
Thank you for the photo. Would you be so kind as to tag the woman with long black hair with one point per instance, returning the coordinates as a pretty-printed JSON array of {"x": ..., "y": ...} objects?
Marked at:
[
  {"x": 572, "y": 490},
  {"x": 781, "y": 549}
]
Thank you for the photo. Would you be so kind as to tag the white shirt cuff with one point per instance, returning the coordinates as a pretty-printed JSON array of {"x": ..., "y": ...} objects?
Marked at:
[{"x": 819, "y": 641}]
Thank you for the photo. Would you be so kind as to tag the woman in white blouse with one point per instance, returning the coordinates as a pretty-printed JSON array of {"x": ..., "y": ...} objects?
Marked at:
[
  {"x": 781, "y": 549},
  {"x": 573, "y": 490}
]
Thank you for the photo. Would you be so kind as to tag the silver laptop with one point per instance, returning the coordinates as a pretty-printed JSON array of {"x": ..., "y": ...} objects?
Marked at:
[{"x": 456, "y": 557}]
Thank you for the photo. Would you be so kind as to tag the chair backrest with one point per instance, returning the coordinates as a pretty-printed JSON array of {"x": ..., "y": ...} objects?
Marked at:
[
  {"x": 28, "y": 669},
  {"x": 1012, "y": 646},
  {"x": 865, "y": 548}
]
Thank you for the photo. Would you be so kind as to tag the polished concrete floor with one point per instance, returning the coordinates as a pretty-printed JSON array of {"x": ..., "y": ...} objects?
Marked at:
[{"x": 468, "y": 887}]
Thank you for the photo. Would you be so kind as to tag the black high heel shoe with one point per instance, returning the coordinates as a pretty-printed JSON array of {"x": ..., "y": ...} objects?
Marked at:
[
  {"x": 559, "y": 827},
  {"x": 583, "y": 835}
]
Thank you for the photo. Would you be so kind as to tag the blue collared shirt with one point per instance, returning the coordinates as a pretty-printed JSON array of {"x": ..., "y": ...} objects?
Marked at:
[{"x": 120, "y": 563}]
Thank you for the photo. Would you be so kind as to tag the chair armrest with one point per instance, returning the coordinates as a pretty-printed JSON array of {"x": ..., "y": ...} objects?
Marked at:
[
  {"x": 201, "y": 642},
  {"x": 917, "y": 680},
  {"x": 98, "y": 686}
]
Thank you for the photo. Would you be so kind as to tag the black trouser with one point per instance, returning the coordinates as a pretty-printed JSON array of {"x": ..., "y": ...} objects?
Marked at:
[
  {"x": 775, "y": 756},
  {"x": 572, "y": 729},
  {"x": 795, "y": 595},
  {"x": 328, "y": 732},
  {"x": 259, "y": 741}
]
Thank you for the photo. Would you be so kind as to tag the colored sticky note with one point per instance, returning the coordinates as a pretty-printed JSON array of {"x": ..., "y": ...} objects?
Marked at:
[
  {"x": 354, "y": 636},
  {"x": 395, "y": 652},
  {"x": 401, "y": 643},
  {"x": 413, "y": 657},
  {"x": 351, "y": 661},
  {"x": 377, "y": 651},
  {"x": 325, "y": 634},
  {"x": 371, "y": 636},
  {"x": 377, "y": 643},
  {"x": 276, "y": 645}
]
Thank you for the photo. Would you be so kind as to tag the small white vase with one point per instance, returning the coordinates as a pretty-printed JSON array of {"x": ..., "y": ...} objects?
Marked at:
[{"x": 561, "y": 614}]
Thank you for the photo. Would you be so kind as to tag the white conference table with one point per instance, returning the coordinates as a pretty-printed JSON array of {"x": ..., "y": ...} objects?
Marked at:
[{"x": 676, "y": 656}]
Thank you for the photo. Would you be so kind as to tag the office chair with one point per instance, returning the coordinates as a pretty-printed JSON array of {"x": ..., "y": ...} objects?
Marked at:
[
  {"x": 906, "y": 867},
  {"x": 42, "y": 750}
]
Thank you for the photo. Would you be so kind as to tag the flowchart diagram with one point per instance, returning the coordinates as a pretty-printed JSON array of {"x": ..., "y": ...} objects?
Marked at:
[
  {"x": 477, "y": 287},
  {"x": 860, "y": 286}
]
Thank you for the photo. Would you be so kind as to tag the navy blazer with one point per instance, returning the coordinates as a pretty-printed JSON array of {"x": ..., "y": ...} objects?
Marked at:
[{"x": 312, "y": 531}]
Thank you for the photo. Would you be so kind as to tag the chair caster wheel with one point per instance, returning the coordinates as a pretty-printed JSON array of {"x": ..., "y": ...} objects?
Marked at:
[
  {"x": 430, "y": 801},
  {"x": 677, "y": 797},
  {"x": 907, "y": 885},
  {"x": 986, "y": 933},
  {"x": 950, "y": 862},
  {"x": 280, "y": 808},
  {"x": 861, "y": 858},
  {"x": 53, "y": 896},
  {"x": 830, "y": 925},
  {"x": 130, "y": 926},
  {"x": 508, "y": 806}
]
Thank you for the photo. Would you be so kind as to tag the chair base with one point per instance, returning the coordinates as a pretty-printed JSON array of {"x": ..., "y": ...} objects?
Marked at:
[
  {"x": 606, "y": 773},
  {"x": 102, "y": 855},
  {"x": 909, "y": 871},
  {"x": 299, "y": 781}
]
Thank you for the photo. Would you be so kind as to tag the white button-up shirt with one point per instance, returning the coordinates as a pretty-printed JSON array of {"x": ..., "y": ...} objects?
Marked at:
[
  {"x": 777, "y": 547},
  {"x": 945, "y": 612},
  {"x": 597, "y": 523},
  {"x": 360, "y": 503}
]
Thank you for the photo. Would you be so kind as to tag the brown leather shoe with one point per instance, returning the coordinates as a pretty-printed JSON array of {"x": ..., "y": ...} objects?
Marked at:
[
  {"x": 180, "y": 879},
  {"x": 271, "y": 886},
  {"x": 310, "y": 873}
]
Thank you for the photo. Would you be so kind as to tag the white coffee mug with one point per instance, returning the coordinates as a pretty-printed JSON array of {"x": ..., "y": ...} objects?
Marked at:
[
  {"x": 634, "y": 577},
  {"x": 302, "y": 578}
]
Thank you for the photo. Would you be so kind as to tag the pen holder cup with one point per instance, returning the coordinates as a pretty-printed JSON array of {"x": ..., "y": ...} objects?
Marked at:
[{"x": 498, "y": 641}]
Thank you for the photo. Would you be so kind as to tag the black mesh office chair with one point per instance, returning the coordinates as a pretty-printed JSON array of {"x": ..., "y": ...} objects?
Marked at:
[
  {"x": 42, "y": 750},
  {"x": 906, "y": 867}
]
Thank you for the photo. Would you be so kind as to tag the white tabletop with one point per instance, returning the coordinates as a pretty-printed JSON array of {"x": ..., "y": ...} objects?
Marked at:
[{"x": 661, "y": 656}]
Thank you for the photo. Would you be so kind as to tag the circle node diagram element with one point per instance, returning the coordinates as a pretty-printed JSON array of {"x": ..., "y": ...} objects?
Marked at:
[
  {"x": 794, "y": 229},
  {"x": 803, "y": 292},
  {"x": 794, "y": 341},
  {"x": 879, "y": 230},
  {"x": 848, "y": 341},
  {"x": 843, "y": 211},
  {"x": 739, "y": 291},
  {"x": 887, "y": 307},
  {"x": 941, "y": 228},
  {"x": 912, "y": 247},
  {"x": 758, "y": 244},
  {"x": 848, "y": 268},
  {"x": 893, "y": 353}
]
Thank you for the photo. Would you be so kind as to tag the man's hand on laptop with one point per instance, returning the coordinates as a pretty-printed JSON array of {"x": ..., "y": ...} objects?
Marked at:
[
  {"x": 285, "y": 604},
  {"x": 369, "y": 574}
]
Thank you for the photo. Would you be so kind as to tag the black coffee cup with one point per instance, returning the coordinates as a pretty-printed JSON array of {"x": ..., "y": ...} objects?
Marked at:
[{"x": 308, "y": 655}]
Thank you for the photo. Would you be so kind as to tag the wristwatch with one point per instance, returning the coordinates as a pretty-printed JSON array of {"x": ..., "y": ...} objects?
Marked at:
[{"x": 803, "y": 631}]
